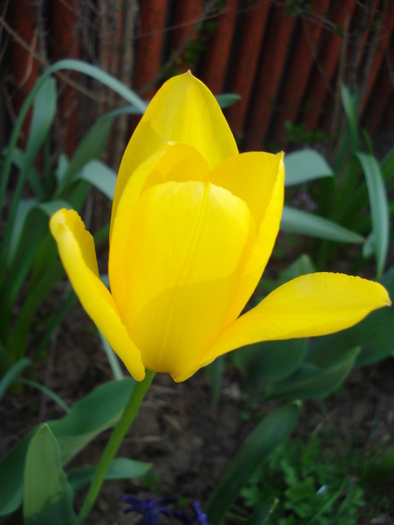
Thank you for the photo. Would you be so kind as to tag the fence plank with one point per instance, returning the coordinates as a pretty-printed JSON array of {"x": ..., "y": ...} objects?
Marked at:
[
  {"x": 299, "y": 67},
  {"x": 271, "y": 71},
  {"x": 216, "y": 56},
  {"x": 245, "y": 61}
]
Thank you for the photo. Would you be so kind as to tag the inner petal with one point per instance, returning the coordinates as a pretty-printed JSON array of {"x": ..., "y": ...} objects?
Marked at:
[{"x": 186, "y": 248}]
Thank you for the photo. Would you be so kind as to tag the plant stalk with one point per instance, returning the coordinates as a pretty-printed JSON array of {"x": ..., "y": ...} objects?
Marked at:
[{"x": 114, "y": 443}]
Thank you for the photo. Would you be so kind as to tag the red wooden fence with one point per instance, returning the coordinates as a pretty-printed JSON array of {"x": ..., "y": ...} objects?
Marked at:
[{"x": 286, "y": 64}]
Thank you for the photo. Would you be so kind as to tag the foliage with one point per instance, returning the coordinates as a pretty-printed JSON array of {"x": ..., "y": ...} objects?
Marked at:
[
  {"x": 311, "y": 484},
  {"x": 312, "y": 368},
  {"x": 29, "y": 266}
]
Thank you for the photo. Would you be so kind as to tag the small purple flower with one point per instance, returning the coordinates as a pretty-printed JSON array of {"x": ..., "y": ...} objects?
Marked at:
[
  {"x": 149, "y": 508},
  {"x": 198, "y": 519}
]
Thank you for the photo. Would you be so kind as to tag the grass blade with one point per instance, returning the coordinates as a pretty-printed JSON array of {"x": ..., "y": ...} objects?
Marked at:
[
  {"x": 379, "y": 208},
  {"x": 264, "y": 439},
  {"x": 305, "y": 165},
  {"x": 298, "y": 221}
]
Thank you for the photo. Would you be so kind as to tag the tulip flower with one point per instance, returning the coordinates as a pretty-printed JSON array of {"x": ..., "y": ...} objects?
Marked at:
[{"x": 193, "y": 225}]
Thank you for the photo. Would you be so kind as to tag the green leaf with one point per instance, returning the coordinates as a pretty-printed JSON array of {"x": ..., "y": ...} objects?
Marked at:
[
  {"x": 91, "y": 147},
  {"x": 379, "y": 207},
  {"x": 12, "y": 468},
  {"x": 100, "y": 176},
  {"x": 350, "y": 104},
  {"x": 310, "y": 381},
  {"x": 120, "y": 468},
  {"x": 375, "y": 336},
  {"x": 264, "y": 439},
  {"x": 47, "y": 495},
  {"x": 12, "y": 374},
  {"x": 43, "y": 116},
  {"x": 305, "y": 165},
  {"x": 47, "y": 391},
  {"x": 89, "y": 417},
  {"x": 262, "y": 512},
  {"x": 226, "y": 100},
  {"x": 297, "y": 221},
  {"x": 214, "y": 374},
  {"x": 301, "y": 266},
  {"x": 22, "y": 212},
  {"x": 270, "y": 361},
  {"x": 112, "y": 358},
  {"x": 387, "y": 165}
]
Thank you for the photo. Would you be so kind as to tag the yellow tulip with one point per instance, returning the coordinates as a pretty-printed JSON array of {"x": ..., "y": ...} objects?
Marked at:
[{"x": 193, "y": 225}]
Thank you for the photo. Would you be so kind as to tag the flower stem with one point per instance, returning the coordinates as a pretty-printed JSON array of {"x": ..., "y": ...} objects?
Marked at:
[{"x": 114, "y": 443}]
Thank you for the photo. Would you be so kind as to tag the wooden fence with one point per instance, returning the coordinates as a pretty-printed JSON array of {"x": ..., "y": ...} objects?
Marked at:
[{"x": 284, "y": 58}]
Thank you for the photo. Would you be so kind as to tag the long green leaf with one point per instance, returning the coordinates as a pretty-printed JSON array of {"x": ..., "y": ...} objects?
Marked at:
[
  {"x": 112, "y": 359},
  {"x": 43, "y": 117},
  {"x": 120, "y": 468},
  {"x": 310, "y": 381},
  {"x": 350, "y": 104},
  {"x": 297, "y": 221},
  {"x": 264, "y": 439},
  {"x": 47, "y": 391},
  {"x": 305, "y": 165},
  {"x": 270, "y": 361},
  {"x": 12, "y": 374},
  {"x": 89, "y": 417},
  {"x": 262, "y": 512},
  {"x": 91, "y": 147},
  {"x": 100, "y": 176},
  {"x": 379, "y": 208},
  {"x": 73, "y": 65},
  {"x": 226, "y": 100},
  {"x": 47, "y": 494},
  {"x": 387, "y": 165}
]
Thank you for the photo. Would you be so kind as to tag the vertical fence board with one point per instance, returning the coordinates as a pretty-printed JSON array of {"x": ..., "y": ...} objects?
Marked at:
[
  {"x": 286, "y": 67},
  {"x": 322, "y": 80},
  {"x": 185, "y": 30},
  {"x": 280, "y": 29},
  {"x": 300, "y": 65},
  {"x": 379, "y": 99},
  {"x": 25, "y": 67},
  {"x": 245, "y": 61},
  {"x": 377, "y": 58},
  {"x": 65, "y": 44},
  {"x": 149, "y": 44},
  {"x": 216, "y": 56}
]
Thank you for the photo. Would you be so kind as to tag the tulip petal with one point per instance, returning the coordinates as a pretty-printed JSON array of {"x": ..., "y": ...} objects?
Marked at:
[
  {"x": 171, "y": 163},
  {"x": 183, "y": 110},
  {"x": 258, "y": 179},
  {"x": 185, "y": 253},
  {"x": 77, "y": 253},
  {"x": 309, "y": 306}
]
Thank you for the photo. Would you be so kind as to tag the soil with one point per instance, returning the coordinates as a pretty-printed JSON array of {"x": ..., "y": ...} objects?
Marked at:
[{"x": 188, "y": 441}]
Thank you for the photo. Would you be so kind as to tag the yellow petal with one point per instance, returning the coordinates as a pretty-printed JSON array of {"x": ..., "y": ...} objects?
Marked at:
[
  {"x": 77, "y": 253},
  {"x": 173, "y": 162},
  {"x": 258, "y": 179},
  {"x": 185, "y": 252},
  {"x": 309, "y": 306},
  {"x": 183, "y": 110}
]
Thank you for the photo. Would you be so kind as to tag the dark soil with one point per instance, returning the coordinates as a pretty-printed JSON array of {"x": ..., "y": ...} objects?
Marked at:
[{"x": 188, "y": 442}]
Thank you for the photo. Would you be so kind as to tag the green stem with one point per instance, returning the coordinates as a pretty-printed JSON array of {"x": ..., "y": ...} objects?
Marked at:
[{"x": 114, "y": 443}]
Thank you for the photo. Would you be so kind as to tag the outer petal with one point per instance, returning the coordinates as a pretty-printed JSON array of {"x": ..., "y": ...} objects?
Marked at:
[
  {"x": 258, "y": 179},
  {"x": 77, "y": 253},
  {"x": 309, "y": 306},
  {"x": 185, "y": 252},
  {"x": 183, "y": 110},
  {"x": 171, "y": 162}
]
